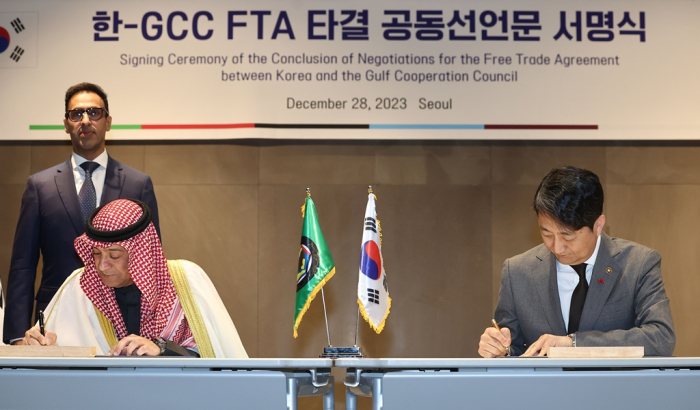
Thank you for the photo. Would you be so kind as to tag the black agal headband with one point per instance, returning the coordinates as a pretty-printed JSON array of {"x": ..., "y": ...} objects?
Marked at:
[{"x": 120, "y": 234}]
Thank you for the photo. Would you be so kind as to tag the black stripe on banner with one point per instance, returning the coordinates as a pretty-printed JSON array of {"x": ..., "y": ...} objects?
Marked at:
[
  {"x": 313, "y": 126},
  {"x": 369, "y": 228},
  {"x": 372, "y": 224}
]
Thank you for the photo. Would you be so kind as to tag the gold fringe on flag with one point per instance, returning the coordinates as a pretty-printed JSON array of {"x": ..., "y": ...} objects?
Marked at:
[
  {"x": 379, "y": 328},
  {"x": 311, "y": 297}
]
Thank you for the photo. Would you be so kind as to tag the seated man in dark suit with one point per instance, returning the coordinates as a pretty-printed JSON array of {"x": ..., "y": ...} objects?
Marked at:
[
  {"x": 580, "y": 287},
  {"x": 57, "y": 202}
]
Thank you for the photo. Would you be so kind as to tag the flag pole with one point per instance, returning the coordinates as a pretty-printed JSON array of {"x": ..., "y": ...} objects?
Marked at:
[{"x": 328, "y": 332}]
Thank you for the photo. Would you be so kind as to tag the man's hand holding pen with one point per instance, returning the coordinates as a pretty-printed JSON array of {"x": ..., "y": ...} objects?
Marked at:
[
  {"x": 37, "y": 336},
  {"x": 34, "y": 337},
  {"x": 495, "y": 342}
]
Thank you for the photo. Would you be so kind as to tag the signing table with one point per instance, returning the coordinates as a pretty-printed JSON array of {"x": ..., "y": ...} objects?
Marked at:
[
  {"x": 524, "y": 383},
  {"x": 155, "y": 383}
]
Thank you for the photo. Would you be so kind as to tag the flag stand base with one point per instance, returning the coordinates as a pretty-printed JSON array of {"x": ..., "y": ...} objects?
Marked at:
[{"x": 341, "y": 352}]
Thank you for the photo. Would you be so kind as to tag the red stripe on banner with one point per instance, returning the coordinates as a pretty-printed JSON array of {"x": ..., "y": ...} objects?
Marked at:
[
  {"x": 195, "y": 126},
  {"x": 538, "y": 127}
]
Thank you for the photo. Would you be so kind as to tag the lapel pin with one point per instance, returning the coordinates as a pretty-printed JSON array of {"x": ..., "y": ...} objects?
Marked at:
[
  {"x": 608, "y": 270},
  {"x": 601, "y": 281}
]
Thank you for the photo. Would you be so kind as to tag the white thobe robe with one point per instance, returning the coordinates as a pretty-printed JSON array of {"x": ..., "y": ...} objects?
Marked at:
[{"x": 72, "y": 316}]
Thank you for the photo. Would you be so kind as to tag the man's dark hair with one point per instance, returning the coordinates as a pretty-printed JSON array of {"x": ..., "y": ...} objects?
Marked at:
[
  {"x": 87, "y": 87},
  {"x": 572, "y": 197}
]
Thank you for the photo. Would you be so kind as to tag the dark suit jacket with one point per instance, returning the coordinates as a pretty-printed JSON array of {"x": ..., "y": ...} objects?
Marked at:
[
  {"x": 49, "y": 222},
  {"x": 626, "y": 304}
]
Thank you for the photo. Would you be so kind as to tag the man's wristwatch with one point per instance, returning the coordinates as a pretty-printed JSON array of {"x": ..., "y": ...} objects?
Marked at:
[
  {"x": 572, "y": 336},
  {"x": 161, "y": 343}
]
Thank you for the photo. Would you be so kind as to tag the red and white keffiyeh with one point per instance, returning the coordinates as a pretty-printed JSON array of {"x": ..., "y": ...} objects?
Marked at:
[{"x": 161, "y": 312}]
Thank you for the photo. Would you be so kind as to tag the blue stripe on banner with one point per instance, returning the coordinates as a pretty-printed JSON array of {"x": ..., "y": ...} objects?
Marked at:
[{"x": 426, "y": 126}]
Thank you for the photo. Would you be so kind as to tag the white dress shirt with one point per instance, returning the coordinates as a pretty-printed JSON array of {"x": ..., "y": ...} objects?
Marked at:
[
  {"x": 98, "y": 175},
  {"x": 567, "y": 280}
]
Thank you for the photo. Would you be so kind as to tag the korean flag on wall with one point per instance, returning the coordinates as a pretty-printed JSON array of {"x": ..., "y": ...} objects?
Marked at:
[
  {"x": 372, "y": 290},
  {"x": 18, "y": 40}
]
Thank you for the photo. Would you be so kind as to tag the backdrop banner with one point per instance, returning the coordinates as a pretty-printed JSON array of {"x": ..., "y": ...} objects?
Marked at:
[{"x": 395, "y": 69}]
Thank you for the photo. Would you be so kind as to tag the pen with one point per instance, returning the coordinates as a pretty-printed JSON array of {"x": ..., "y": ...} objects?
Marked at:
[
  {"x": 41, "y": 322},
  {"x": 495, "y": 325}
]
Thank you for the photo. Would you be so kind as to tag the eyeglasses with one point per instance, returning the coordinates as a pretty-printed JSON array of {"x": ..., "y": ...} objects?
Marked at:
[{"x": 94, "y": 114}]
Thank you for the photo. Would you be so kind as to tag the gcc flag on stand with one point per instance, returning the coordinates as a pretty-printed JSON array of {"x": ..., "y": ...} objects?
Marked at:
[
  {"x": 316, "y": 265},
  {"x": 372, "y": 290}
]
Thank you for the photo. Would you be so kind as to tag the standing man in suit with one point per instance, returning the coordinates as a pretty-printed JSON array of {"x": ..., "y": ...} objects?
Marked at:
[
  {"x": 580, "y": 287},
  {"x": 57, "y": 202}
]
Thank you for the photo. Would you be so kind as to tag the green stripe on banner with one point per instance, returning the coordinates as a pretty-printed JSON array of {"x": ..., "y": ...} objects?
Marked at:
[
  {"x": 46, "y": 127},
  {"x": 60, "y": 127},
  {"x": 127, "y": 127}
]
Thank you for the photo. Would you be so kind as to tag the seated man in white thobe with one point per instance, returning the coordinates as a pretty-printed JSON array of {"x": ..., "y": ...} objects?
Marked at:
[{"x": 128, "y": 300}]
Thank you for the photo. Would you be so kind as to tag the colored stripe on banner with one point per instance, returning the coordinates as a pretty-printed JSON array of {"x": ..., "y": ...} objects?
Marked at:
[
  {"x": 338, "y": 126},
  {"x": 426, "y": 126},
  {"x": 539, "y": 127},
  {"x": 60, "y": 127},
  {"x": 317, "y": 126},
  {"x": 195, "y": 126},
  {"x": 45, "y": 127}
]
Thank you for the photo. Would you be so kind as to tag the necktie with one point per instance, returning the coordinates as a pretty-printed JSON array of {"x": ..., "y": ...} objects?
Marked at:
[
  {"x": 578, "y": 298},
  {"x": 87, "y": 195}
]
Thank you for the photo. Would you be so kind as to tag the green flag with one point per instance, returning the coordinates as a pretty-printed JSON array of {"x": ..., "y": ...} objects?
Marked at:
[{"x": 316, "y": 265}]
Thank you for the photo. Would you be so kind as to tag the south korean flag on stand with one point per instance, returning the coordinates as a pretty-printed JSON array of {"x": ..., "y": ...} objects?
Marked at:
[{"x": 372, "y": 290}]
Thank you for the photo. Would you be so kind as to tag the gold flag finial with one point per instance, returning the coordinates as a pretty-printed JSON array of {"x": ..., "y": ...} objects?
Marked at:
[
  {"x": 303, "y": 207},
  {"x": 369, "y": 189}
]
